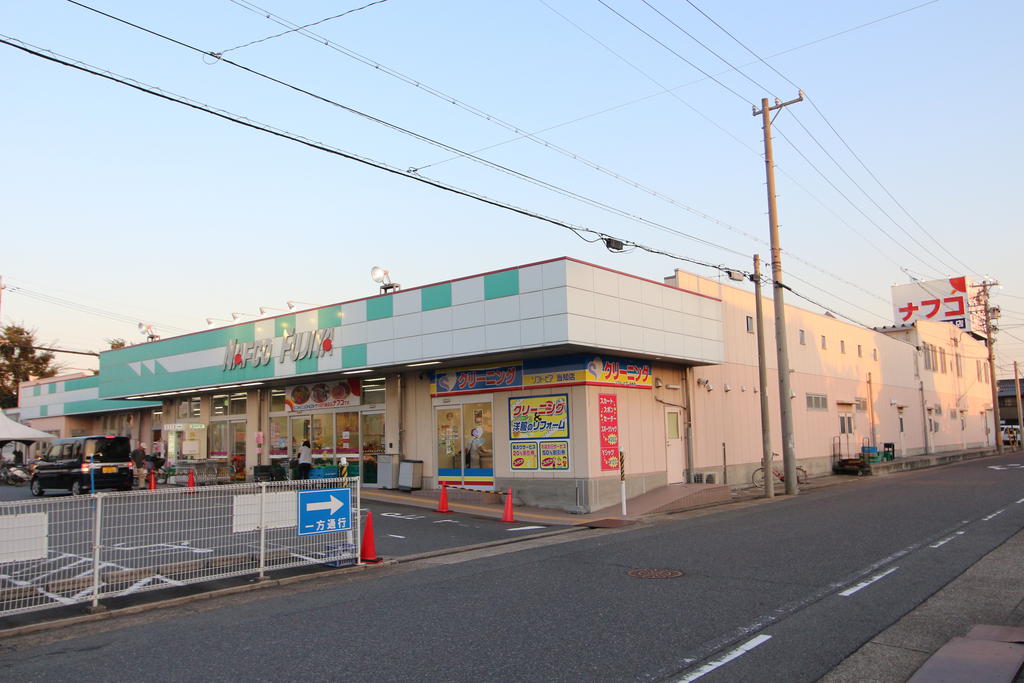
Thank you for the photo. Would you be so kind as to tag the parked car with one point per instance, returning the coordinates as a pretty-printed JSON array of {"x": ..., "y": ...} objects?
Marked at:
[{"x": 79, "y": 463}]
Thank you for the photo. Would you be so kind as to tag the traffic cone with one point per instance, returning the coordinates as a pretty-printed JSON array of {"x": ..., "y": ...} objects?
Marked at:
[
  {"x": 442, "y": 502},
  {"x": 152, "y": 480},
  {"x": 508, "y": 517},
  {"x": 191, "y": 482},
  {"x": 368, "y": 548}
]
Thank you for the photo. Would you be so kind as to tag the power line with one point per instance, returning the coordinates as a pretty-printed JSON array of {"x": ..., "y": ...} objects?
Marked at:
[
  {"x": 423, "y": 138},
  {"x": 255, "y": 125},
  {"x": 90, "y": 310},
  {"x": 299, "y": 28},
  {"x": 841, "y": 139}
]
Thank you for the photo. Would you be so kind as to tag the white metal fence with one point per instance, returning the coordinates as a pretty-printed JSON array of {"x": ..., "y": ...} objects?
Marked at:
[{"x": 80, "y": 549}]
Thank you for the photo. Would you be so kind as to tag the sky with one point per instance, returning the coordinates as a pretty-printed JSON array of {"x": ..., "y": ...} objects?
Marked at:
[{"x": 625, "y": 118}]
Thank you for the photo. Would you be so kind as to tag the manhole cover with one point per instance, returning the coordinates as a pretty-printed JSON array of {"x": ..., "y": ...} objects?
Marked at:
[{"x": 654, "y": 573}]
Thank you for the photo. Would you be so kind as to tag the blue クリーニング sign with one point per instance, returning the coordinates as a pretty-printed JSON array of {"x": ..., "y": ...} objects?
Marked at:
[{"x": 324, "y": 511}]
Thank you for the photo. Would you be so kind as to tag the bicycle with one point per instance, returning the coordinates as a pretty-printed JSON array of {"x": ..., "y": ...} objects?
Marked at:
[{"x": 758, "y": 477}]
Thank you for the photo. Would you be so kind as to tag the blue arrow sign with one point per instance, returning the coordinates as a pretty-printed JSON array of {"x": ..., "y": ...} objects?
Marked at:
[{"x": 324, "y": 511}]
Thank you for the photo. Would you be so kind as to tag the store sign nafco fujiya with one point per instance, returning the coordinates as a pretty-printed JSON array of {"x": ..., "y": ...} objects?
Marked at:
[{"x": 296, "y": 346}]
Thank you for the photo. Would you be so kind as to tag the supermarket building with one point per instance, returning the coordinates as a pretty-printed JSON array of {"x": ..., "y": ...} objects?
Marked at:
[{"x": 534, "y": 378}]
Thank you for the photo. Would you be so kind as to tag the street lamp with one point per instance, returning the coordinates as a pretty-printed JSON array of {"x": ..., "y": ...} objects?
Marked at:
[{"x": 211, "y": 322}]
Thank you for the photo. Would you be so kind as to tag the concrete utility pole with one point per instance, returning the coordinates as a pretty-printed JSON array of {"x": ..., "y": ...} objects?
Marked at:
[
  {"x": 1020, "y": 413},
  {"x": 762, "y": 377},
  {"x": 990, "y": 314},
  {"x": 781, "y": 344}
]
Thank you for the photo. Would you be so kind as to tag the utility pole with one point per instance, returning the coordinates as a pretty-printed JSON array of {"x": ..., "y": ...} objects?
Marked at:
[
  {"x": 1020, "y": 413},
  {"x": 762, "y": 377},
  {"x": 990, "y": 314},
  {"x": 781, "y": 344}
]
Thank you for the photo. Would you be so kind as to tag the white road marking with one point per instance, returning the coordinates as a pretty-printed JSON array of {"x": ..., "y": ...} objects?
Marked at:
[
  {"x": 395, "y": 536},
  {"x": 447, "y": 521},
  {"x": 524, "y": 528},
  {"x": 864, "y": 584},
  {"x": 399, "y": 515},
  {"x": 1020, "y": 501},
  {"x": 947, "y": 539},
  {"x": 725, "y": 659},
  {"x": 997, "y": 512}
]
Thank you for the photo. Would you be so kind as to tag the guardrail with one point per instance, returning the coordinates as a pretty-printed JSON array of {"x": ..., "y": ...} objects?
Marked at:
[{"x": 81, "y": 549}]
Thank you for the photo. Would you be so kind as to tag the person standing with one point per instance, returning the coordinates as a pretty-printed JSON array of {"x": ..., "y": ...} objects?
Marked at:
[
  {"x": 305, "y": 460},
  {"x": 138, "y": 457}
]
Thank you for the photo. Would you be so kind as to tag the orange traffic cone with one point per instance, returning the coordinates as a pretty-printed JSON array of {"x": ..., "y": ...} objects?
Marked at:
[
  {"x": 191, "y": 482},
  {"x": 508, "y": 517},
  {"x": 152, "y": 480},
  {"x": 368, "y": 549},
  {"x": 442, "y": 502}
]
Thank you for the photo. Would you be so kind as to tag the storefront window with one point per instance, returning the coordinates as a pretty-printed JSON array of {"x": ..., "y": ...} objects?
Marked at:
[
  {"x": 373, "y": 445},
  {"x": 322, "y": 440},
  {"x": 219, "y": 439},
  {"x": 238, "y": 449},
  {"x": 220, "y": 404},
  {"x": 346, "y": 433},
  {"x": 278, "y": 443},
  {"x": 277, "y": 400},
  {"x": 194, "y": 406},
  {"x": 373, "y": 390},
  {"x": 237, "y": 404}
]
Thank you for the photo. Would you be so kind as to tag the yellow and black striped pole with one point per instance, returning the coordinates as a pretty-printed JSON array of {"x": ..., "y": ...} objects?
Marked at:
[{"x": 622, "y": 479}]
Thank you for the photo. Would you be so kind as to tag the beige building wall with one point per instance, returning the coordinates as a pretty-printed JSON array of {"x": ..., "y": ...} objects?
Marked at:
[{"x": 854, "y": 367}]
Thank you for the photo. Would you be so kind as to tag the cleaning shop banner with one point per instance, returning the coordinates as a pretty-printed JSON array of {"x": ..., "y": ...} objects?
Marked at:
[{"x": 559, "y": 371}]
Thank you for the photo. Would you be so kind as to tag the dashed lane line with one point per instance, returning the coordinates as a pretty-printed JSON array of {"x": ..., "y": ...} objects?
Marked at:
[
  {"x": 864, "y": 584},
  {"x": 726, "y": 658},
  {"x": 946, "y": 540},
  {"x": 997, "y": 512}
]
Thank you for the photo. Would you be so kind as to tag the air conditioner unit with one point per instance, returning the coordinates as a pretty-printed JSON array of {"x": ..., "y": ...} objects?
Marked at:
[
  {"x": 709, "y": 478},
  {"x": 698, "y": 478}
]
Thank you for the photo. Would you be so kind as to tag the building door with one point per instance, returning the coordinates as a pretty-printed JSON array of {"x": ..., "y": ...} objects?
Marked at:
[
  {"x": 674, "y": 447},
  {"x": 846, "y": 437},
  {"x": 465, "y": 445},
  {"x": 373, "y": 446},
  {"x": 298, "y": 431}
]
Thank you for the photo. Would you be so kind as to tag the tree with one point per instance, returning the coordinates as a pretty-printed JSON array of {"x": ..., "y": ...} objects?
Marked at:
[{"x": 19, "y": 361}]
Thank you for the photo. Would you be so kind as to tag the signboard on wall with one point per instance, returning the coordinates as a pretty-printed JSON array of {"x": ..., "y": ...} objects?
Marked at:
[
  {"x": 554, "y": 455},
  {"x": 346, "y": 392},
  {"x": 524, "y": 455},
  {"x": 539, "y": 417},
  {"x": 560, "y": 371},
  {"x": 608, "y": 426},
  {"x": 937, "y": 300}
]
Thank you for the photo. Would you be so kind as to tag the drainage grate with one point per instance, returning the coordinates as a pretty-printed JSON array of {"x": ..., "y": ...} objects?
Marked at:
[{"x": 654, "y": 573}]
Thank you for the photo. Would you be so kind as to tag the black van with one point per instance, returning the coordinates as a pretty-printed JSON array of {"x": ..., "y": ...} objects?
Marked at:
[{"x": 78, "y": 463}]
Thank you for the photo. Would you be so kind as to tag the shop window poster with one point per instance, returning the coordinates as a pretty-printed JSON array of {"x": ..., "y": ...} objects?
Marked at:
[
  {"x": 608, "y": 425},
  {"x": 554, "y": 455},
  {"x": 524, "y": 455}
]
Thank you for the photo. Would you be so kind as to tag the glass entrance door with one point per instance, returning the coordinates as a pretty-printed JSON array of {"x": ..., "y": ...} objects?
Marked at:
[
  {"x": 373, "y": 445},
  {"x": 299, "y": 430},
  {"x": 465, "y": 448}
]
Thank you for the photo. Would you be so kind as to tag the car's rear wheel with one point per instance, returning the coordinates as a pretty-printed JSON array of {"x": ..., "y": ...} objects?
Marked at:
[
  {"x": 37, "y": 488},
  {"x": 77, "y": 488}
]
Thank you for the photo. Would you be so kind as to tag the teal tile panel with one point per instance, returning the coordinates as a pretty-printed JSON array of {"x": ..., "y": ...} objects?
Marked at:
[
  {"x": 283, "y": 324},
  {"x": 353, "y": 356},
  {"x": 51, "y": 388},
  {"x": 307, "y": 365},
  {"x": 186, "y": 379},
  {"x": 82, "y": 383},
  {"x": 379, "y": 307},
  {"x": 36, "y": 389},
  {"x": 438, "y": 296},
  {"x": 98, "y": 405},
  {"x": 329, "y": 317},
  {"x": 176, "y": 345},
  {"x": 505, "y": 283},
  {"x": 44, "y": 411}
]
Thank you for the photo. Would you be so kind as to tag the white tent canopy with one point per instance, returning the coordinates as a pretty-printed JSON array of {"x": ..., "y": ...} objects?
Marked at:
[{"x": 15, "y": 431}]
